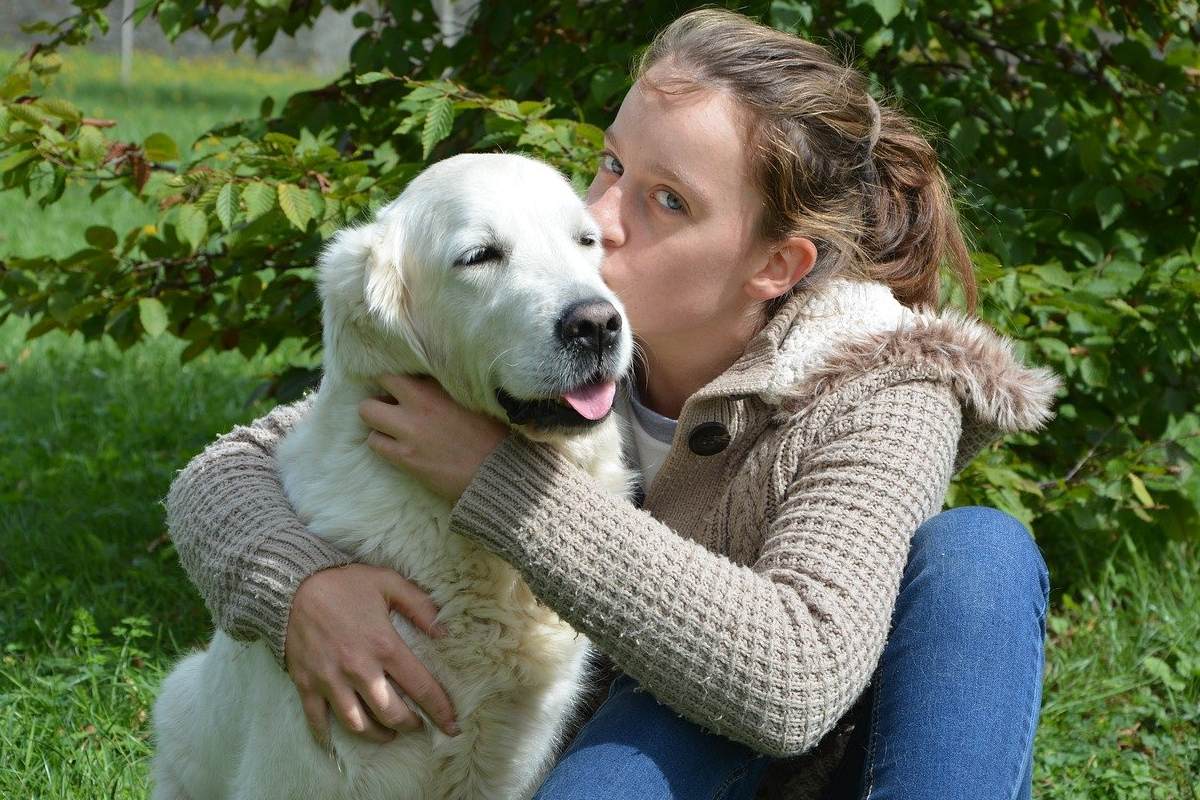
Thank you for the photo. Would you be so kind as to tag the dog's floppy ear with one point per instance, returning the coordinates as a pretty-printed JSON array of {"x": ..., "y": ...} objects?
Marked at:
[{"x": 365, "y": 304}]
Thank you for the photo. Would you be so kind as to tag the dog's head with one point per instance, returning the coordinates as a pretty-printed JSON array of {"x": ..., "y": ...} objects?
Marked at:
[{"x": 484, "y": 273}]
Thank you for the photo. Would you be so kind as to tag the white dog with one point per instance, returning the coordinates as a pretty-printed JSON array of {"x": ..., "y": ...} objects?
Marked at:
[{"x": 484, "y": 273}]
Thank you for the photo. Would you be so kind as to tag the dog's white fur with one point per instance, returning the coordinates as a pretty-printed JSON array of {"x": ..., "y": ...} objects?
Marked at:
[{"x": 228, "y": 722}]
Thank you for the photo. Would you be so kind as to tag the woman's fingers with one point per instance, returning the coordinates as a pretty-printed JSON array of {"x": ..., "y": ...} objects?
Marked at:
[
  {"x": 386, "y": 705},
  {"x": 341, "y": 647},
  {"x": 389, "y": 449},
  {"x": 381, "y": 416},
  {"x": 350, "y": 711},
  {"x": 418, "y": 683},
  {"x": 413, "y": 602},
  {"x": 316, "y": 712}
]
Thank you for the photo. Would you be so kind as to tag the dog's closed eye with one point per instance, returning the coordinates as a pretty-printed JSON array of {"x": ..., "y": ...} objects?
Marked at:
[{"x": 480, "y": 255}]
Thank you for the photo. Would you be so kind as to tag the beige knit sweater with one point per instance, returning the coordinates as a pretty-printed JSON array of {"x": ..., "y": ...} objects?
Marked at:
[{"x": 752, "y": 591}]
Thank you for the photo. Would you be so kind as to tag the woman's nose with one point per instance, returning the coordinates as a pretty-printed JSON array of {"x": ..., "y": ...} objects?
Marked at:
[{"x": 605, "y": 207}]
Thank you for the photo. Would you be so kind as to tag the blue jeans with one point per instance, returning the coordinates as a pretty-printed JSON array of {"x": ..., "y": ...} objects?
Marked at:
[{"x": 950, "y": 711}]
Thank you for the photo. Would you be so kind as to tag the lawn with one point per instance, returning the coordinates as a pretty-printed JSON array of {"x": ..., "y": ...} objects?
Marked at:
[{"x": 94, "y": 607}]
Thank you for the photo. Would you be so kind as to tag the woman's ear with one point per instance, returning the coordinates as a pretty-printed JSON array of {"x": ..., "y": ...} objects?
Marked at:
[{"x": 786, "y": 264}]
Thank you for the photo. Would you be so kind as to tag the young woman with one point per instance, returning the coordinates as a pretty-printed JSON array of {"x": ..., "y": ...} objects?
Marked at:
[{"x": 775, "y": 236}]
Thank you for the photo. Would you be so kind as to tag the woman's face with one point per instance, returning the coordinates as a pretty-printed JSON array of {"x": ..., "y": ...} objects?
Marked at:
[{"x": 678, "y": 247}]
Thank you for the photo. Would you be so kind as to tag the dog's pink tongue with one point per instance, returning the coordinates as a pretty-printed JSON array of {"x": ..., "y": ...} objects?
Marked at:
[{"x": 593, "y": 401}]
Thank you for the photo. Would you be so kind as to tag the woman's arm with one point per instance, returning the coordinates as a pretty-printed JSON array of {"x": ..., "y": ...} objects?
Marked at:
[
  {"x": 238, "y": 538},
  {"x": 245, "y": 548},
  {"x": 773, "y": 655}
]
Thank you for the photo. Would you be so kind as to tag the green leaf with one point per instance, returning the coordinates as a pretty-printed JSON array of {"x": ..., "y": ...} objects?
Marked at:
[
  {"x": 29, "y": 114},
  {"x": 101, "y": 237},
  {"x": 1094, "y": 370},
  {"x": 373, "y": 77},
  {"x": 605, "y": 83},
  {"x": 17, "y": 159},
  {"x": 987, "y": 266},
  {"x": 966, "y": 134},
  {"x": 295, "y": 204},
  {"x": 1088, "y": 245},
  {"x": 1055, "y": 348},
  {"x": 143, "y": 10},
  {"x": 170, "y": 18},
  {"x": 886, "y": 9},
  {"x": 60, "y": 108},
  {"x": 15, "y": 85},
  {"x": 1140, "y": 492},
  {"x": 438, "y": 123},
  {"x": 91, "y": 143},
  {"x": 259, "y": 198},
  {"x": 227, "y": 205},
  {"x": 1011, "y": 291},
  {"x": 153, "y": 315},
  {"x": 160, "y": 147},
  {"x": 423, "y": 93},
  {"x": 1123, "y": 272},
  {"x": 192, "y": 225},
  {"x": 60, "y": 306},
  {"x": 1109, "y": 205}
]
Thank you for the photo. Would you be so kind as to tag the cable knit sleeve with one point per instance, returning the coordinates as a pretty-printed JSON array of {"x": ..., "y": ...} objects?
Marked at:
[
  {"x": 237, "y": 535},
  {"x": 770, "y": 655}
]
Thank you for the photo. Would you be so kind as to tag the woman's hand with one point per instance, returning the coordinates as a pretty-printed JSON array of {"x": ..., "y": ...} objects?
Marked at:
[
  {"x": 427, "y": 434},
  {"x": 341, "y": 649}
]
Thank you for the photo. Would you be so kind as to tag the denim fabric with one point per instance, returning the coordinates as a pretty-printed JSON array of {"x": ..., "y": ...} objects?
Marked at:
[{"x": 950, "y": 711}]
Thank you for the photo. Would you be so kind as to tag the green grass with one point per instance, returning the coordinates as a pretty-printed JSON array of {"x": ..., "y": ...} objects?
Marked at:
[
  {"x": 93, "y": 604},
  {"x": 1121, "y": 706},
  {"x": 94, "y": 607}
]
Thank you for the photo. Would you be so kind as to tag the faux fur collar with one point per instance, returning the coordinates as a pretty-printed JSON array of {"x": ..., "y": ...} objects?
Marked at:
[{"x": 820, "y": 341}]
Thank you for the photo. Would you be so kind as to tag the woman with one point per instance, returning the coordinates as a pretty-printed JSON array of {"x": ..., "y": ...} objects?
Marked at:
[{"x": 775, "y": 237}]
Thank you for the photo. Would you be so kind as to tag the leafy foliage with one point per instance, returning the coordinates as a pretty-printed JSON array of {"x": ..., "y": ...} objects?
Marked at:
[{"x": 1069, "y": 127}]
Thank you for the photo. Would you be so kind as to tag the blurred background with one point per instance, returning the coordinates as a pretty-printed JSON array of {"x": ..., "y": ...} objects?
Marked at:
[
  {"x": 323, "y": 48},
  {"x": 163, "y": 192}
]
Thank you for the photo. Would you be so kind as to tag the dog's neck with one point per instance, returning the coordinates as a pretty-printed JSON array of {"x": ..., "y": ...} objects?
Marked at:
[
  {"x": 336, "y": 409},
  {"x": 339, "y": 390}
]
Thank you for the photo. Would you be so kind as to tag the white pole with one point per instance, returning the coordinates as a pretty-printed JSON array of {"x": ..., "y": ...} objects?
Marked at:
[{"x": 127, "y": 44}]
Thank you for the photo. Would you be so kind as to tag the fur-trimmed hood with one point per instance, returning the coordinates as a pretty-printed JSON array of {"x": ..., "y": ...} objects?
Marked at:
[{"x": 822, "y": 340}]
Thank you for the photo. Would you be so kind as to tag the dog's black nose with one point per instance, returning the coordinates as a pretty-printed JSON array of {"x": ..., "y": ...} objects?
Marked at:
[{"x": 591, "y": 324}]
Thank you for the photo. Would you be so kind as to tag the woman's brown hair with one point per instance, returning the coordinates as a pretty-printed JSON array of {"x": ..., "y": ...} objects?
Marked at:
[{"x": 831, "y": 163}]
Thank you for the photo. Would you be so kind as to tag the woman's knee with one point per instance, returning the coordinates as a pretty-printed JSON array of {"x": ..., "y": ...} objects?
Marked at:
[{"x": 982, "y": 561}]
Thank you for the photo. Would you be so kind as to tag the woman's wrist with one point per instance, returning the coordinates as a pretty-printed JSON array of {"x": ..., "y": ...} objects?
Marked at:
[
  {"x": 510, "y": 481},
  {"x": 262, "y": 603}
]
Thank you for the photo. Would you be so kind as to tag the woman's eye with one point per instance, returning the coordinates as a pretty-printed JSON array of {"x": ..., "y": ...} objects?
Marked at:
[
  {"x": 671, "y": 194},
  {"x": 479, "y": 255},
  {"x": 605, "y": 155},
  {"x": 679, "y": 208}
]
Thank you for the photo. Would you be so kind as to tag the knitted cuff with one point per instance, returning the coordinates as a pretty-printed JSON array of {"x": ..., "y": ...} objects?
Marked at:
[
  {"x": 507, "y": 491},
  {"x": 263, "y": 604}
]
